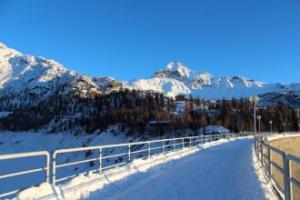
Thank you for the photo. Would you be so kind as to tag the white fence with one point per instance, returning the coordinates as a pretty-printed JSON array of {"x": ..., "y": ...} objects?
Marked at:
[
  {"x": 8, "y": 175},
  {"x": 105, "y": 157},
  {"x": 280, "y": 167}
]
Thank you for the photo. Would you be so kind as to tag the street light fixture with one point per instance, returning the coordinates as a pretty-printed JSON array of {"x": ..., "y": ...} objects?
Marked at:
[
  {"x": 259, "y": 118},
  {"x": 254, "y": 100},
  {"x": 271, "y": 125}
]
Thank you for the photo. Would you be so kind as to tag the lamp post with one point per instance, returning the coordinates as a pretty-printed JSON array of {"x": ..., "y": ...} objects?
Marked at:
[
  {"x": 271, "y": 125},
  {"x": 254, "y": 100},
  {"x": 259, "y": 118}
]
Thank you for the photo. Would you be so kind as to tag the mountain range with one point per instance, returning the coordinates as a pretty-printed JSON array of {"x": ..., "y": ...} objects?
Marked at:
[{"x": 26, "y": 80}]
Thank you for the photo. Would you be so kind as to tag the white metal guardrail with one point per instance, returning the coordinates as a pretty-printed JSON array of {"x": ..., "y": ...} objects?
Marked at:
[
  {"x": 277, "y": 165},
  {"x": 105, "y": 157},
  {"x": 111, "y": 156},
  {"x": 45, "y": 168}
]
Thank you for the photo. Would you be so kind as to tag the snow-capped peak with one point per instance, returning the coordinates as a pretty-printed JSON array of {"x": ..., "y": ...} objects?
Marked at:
[
  {"x": 17, "y": 70},
  {"x": 176, "y": 66}
]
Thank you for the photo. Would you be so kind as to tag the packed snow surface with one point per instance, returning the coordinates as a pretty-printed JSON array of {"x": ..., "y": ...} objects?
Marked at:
[{"x": 223, "y": 171}]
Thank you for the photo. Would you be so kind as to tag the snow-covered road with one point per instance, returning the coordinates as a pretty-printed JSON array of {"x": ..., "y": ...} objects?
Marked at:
[{"x": 222, "y": 172}]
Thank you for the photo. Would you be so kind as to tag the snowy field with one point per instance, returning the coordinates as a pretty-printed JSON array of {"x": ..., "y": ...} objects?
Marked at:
[{"x": 218, "y": 170}]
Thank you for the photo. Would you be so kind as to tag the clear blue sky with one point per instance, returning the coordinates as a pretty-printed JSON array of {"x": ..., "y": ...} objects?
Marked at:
[{"x": 130, "y": 39}]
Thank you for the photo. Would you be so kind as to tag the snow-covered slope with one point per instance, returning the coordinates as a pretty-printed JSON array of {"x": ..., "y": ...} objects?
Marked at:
[
  {"x": 18, "y": 70},
  {"x": 168, "y": 86},
  {"x": 27, "y": 80},
  {"x": 177, "y": 79}
]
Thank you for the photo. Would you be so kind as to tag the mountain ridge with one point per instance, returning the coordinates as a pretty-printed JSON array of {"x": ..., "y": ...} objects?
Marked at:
[{"x": 21, "y": 74}]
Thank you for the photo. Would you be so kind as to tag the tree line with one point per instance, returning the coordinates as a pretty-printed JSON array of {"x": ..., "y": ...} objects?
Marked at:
[{"x": 134, "y": 110}]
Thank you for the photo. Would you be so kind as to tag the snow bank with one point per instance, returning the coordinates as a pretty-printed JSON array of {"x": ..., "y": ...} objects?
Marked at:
[
  {"x": 265, "y": 183},
  {"x": 80, "y": 187}
]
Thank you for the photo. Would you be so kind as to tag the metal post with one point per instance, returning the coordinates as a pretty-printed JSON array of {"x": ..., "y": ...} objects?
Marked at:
[
  {"x": 254, "y": 113},
  {"x": 261, "y": 154},
  {"x": 259, "y": 118},
  {"x": 269, "y": 161},
  {"x": 174, "y": 144},
  {"x": 182, "y": 143},
  {"x": 53, "y": 168},
  {"x": 163, "y": 146},
  {"x": 48, "y": 168},
  {"x": 254, "y": 100},
  {"x": 257, "y": 145},
  {"x": 190, "y": 142},
  {"x": 149, "y": 150},
  {"x": 100, "y": 160},
  {"x": 287, "y": 174},
  {"x": 129, "y": 152}
]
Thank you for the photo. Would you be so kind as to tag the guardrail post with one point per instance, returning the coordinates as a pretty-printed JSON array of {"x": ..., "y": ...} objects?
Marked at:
[
  {"x": 100, "y": 160},
  {"x": 269, "y": 161},
  {"x": 48, "y": 161},
  {"x": 149, "y": 150},
  {"x": 182, "y": 143},
  {"x": 53, "y": 169},
  {"x": 261, "y": 155},
  {"x": 163, "y": 146},
  {"x": 256, "y": 147},
  {"x": 174, "y": 144},
  {"x": 287, "y": 174},
  {"x": 190, "y": 142},
  {"x": 129, "y": 153}
]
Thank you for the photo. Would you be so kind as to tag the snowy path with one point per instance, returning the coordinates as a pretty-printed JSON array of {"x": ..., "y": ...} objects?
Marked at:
[{"x": 222, "y": 172}]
